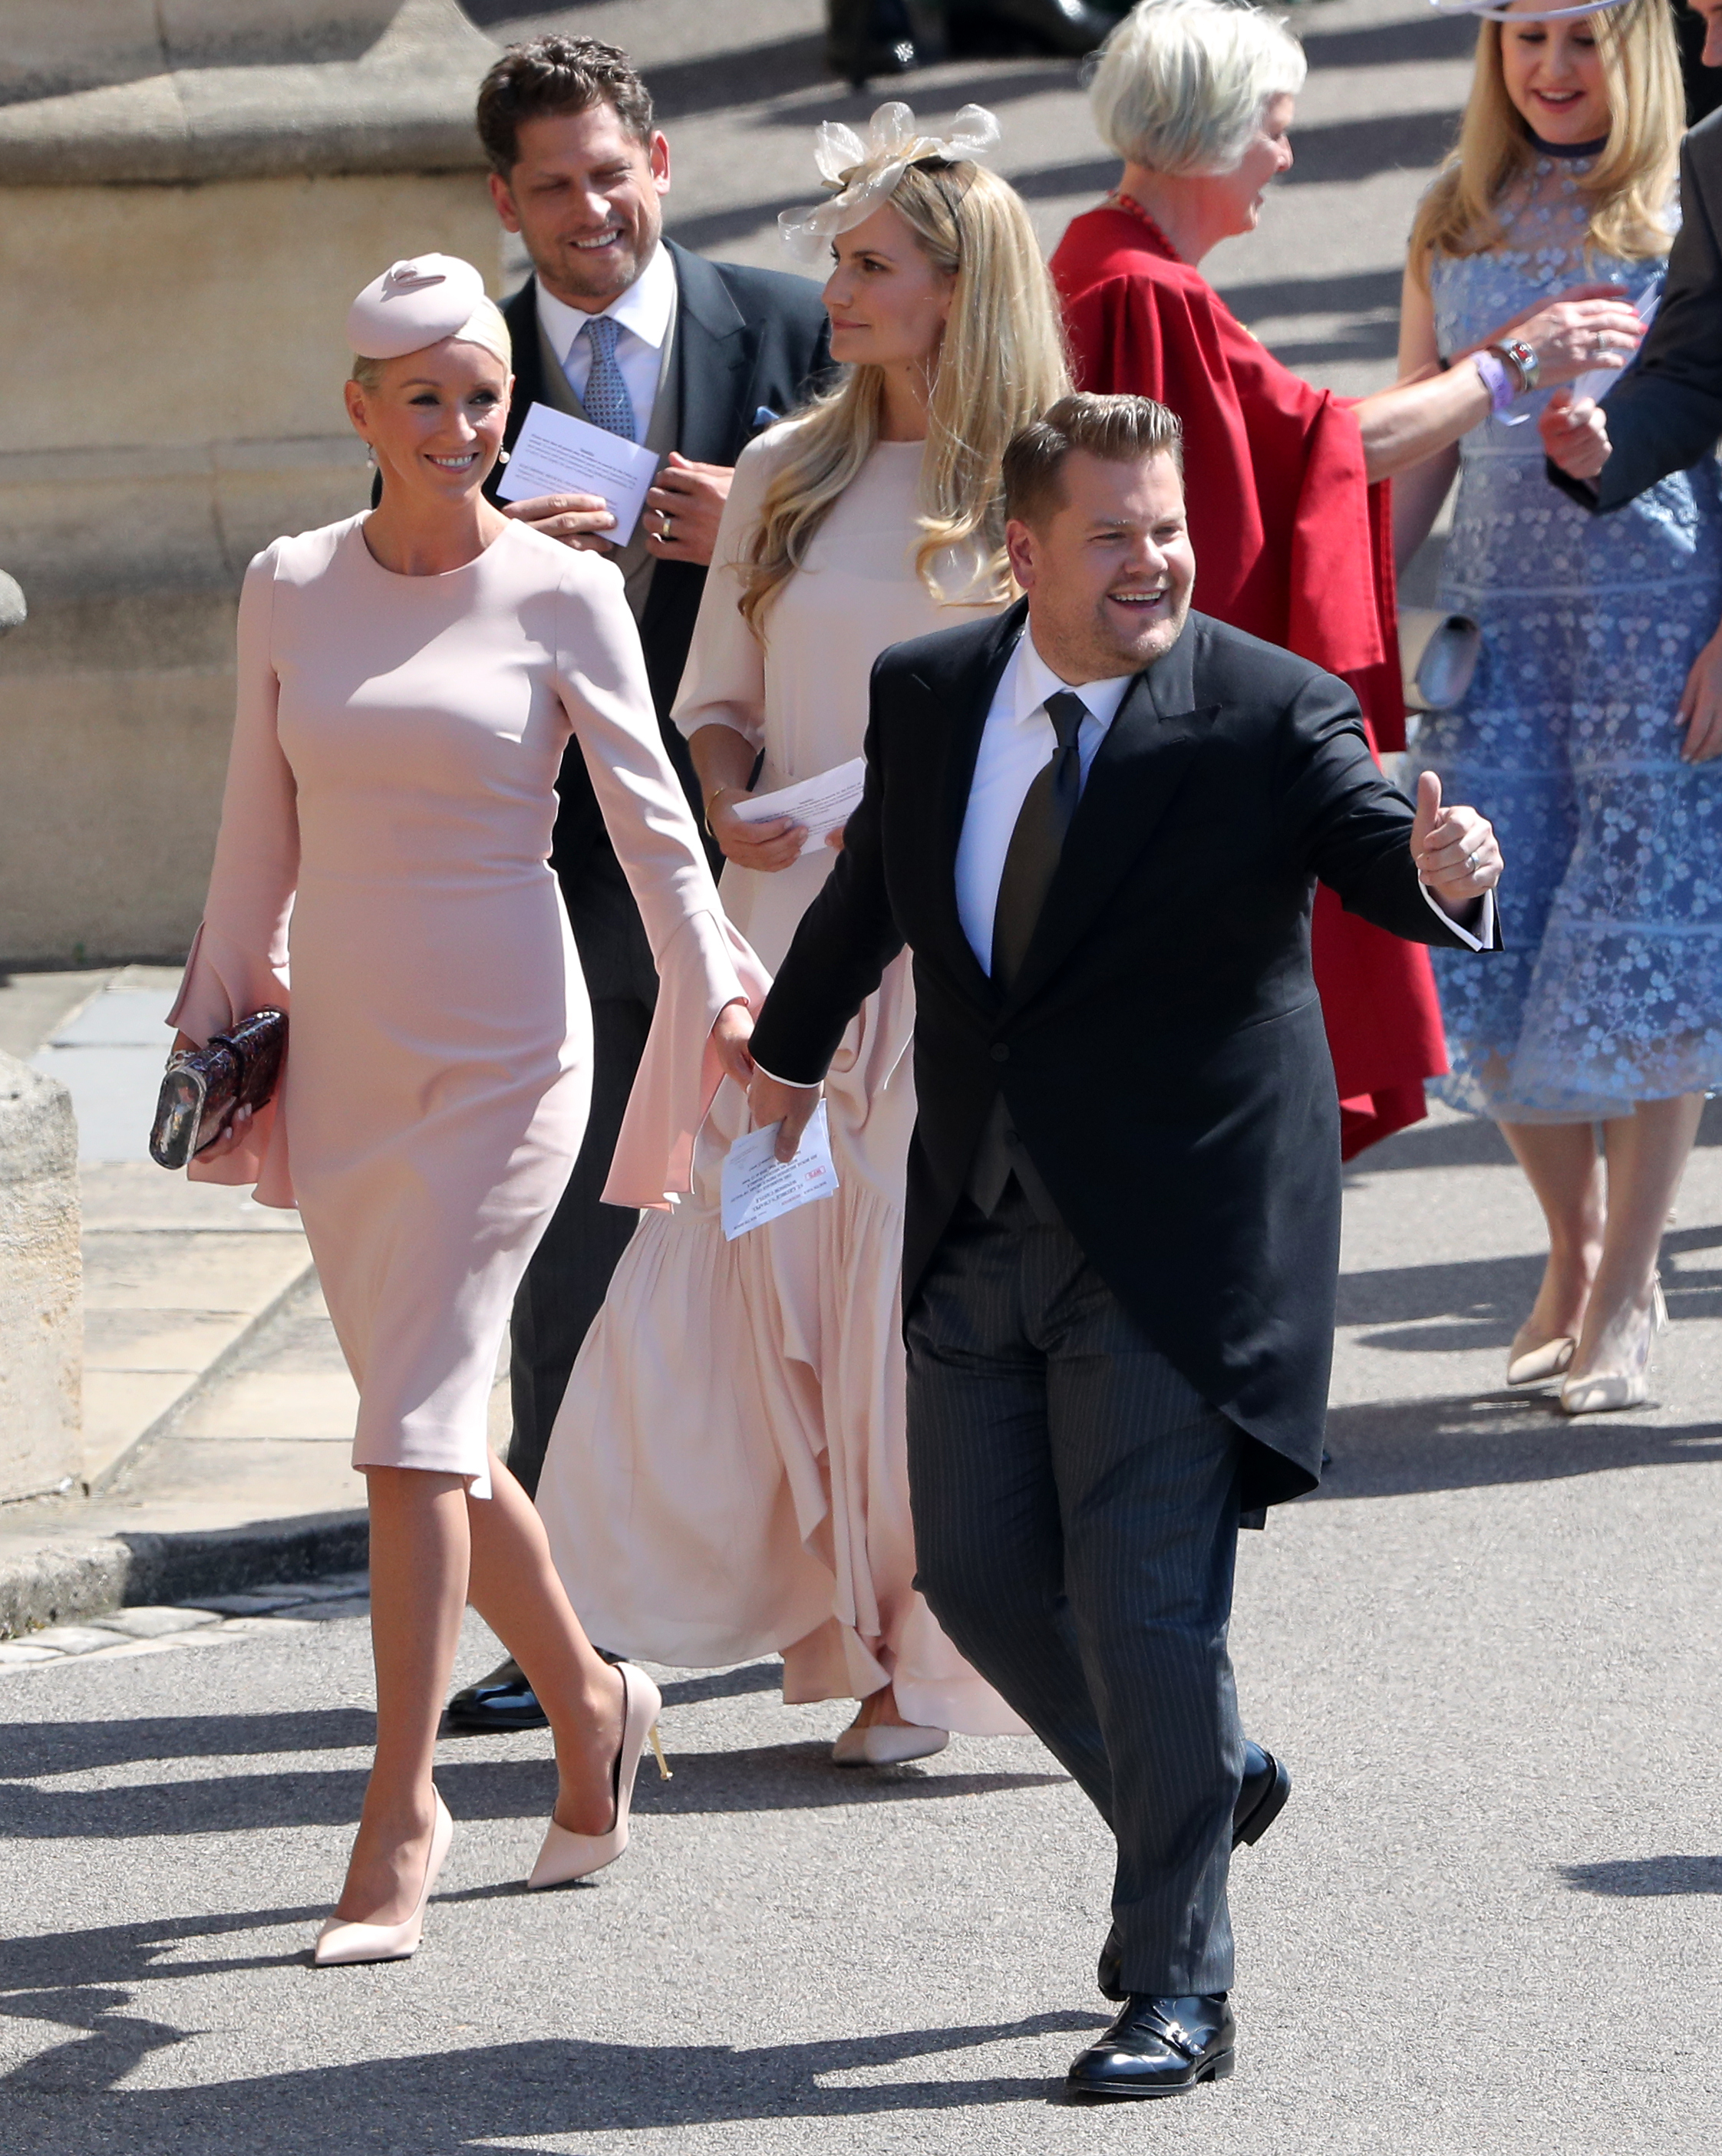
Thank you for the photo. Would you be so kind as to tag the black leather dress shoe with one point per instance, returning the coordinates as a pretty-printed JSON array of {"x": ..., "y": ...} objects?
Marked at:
[
  {"x": 1260, "y": 1799},
  {"x": 1159, "y": 2047},
  {"x": 496, "y": 1704}
]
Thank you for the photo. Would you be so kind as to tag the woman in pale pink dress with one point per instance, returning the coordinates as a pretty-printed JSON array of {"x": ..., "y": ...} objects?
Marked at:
[
  {"x": 407, "y": 681},
  {"x": 728, "y": 1475}
]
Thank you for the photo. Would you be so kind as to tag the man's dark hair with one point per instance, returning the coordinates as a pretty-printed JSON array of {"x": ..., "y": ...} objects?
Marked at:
[
  {"x": 1123, "y": 430},
  {"x": 551, "y": 77}
]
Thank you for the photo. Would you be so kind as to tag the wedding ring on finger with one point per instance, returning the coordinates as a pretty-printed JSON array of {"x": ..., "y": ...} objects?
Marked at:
[
  {"x": 665, "y": 521},
  {"x": 1470, "y": 862}
]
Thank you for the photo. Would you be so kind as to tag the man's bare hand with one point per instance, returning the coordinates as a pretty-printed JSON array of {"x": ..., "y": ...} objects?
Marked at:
[
  {"x": 790, "y": 1106},
  {"x": 582, "y": 521},
  {"x": 682, "y": 511},
  {"x": 1455, "y": 850},
  {"x": 769, "y": 845},
  {"x": 731, "y": 1031},
  {"x": 1575, "y": 434}
]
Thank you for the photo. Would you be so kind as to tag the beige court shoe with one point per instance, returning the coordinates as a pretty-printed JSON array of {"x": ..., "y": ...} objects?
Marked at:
[
  {"x": 1599, "y": 1391},
  {"x": 888, "y": 1744},
  {"x": 340, "y": 1942},
  {"x": 565, "y": 1855},
  {"x": 1535, "y": 1366}
]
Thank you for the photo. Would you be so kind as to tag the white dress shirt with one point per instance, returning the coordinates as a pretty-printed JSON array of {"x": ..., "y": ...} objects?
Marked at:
[
  {"x": 645, "y": 312},
  {"x": 1017, "y": 743}
]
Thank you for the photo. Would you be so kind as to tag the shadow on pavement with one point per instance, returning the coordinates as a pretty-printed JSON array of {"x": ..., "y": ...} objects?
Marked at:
[
  {"x": 442, "y": 2103},
  {"x": 765, "y": 1778},
  {"x": 1636, "y": 1876},
  {"x": 1468, "y": 1445}
]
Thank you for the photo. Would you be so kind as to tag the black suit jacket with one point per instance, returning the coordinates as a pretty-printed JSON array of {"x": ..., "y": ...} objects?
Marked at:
[
  {"x": 746, "y": 341},
  {"x": 1162, "y": 1053},
  {"x": 1665, "y": 415}
]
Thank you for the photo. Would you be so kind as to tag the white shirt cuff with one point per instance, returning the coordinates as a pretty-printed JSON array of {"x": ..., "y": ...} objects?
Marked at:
[
  {"x": 1480, "y": 938},
  {"x": 800, "y": 1084}
]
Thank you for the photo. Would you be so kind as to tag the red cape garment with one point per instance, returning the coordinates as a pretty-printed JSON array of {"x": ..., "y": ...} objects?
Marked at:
[{"x": 1293, "y": 546}]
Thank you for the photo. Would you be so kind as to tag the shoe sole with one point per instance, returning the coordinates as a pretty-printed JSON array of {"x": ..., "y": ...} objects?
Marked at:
[{"x": 1220, "y": 2068}]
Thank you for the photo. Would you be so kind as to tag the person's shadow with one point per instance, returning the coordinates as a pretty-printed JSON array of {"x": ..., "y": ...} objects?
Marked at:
[{"x": 432, "y": 2103}]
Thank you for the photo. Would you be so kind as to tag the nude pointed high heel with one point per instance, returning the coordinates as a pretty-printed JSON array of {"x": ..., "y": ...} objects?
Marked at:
[
  {"x": 339, "y": 1942},
  {"x": 1602, "y": 1391},
  {"x": 565, "y": 1855},
  {"x": 1535, "y": 1366},
  {"x": 888, "y": 1744}
]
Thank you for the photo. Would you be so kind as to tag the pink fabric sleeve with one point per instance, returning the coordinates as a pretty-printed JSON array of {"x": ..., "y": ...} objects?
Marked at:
[
  {"x": 702, "y": 964},
  {"x": 239, "y": 959},
  {"x": 724, "y": 682}
]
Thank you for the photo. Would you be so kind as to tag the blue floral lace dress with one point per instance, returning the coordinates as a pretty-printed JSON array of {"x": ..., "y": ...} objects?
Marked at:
[{"x": 1610, "y": 990}]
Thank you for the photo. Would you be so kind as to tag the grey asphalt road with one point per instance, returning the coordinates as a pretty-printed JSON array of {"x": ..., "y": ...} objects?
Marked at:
[{"x": 1486, "y": 1921}]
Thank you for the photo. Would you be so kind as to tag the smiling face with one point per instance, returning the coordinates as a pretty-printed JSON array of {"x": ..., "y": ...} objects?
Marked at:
[
  {"x": 1553, "y": 74},
  {"x": 434, "y": 421},
  {"x": 887, "y": 302},
  {"x": 1237, "y": 194},
  {"x": 1109, "y": 571},
  {"x": 587, "y": 197}
]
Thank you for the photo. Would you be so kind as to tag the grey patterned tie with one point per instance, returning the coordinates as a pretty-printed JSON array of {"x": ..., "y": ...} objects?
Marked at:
[
  {"x": 1038, "y": 839},
  {"x": 607, "y": 401}
]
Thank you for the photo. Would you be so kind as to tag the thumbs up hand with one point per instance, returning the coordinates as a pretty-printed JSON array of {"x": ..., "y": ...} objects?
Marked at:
[{"x": 1454, "y": 849}]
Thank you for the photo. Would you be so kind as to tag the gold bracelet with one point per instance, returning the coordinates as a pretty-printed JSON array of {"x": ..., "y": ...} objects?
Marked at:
[{"x": 722, "y": 788}]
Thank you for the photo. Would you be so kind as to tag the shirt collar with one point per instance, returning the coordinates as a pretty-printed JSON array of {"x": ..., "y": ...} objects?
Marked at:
[
  {"x": 1036, "y": 681},
  {"x": 645, "y": 308}
]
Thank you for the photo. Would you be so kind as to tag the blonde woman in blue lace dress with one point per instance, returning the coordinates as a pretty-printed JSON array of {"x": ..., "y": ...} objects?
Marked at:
[{"x": 1594, "y": 1038}]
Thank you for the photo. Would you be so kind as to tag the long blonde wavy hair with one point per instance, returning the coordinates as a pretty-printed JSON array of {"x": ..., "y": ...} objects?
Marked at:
[
  {"x": 1627, "y": 188},
  {"x": 1001, "y": 363}
]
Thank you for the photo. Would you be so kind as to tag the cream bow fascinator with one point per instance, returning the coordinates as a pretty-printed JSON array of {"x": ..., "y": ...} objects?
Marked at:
[{"x": 893, "y": 144}]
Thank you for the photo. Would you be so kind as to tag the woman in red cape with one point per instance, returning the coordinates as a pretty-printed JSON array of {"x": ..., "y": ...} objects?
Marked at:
[{"x": 1289, "y": 506}]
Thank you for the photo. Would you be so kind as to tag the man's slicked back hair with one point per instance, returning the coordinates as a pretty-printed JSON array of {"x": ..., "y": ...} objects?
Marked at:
[
  {"x": 550, "y": 77},
  {"x": 1123, "y": 430}
]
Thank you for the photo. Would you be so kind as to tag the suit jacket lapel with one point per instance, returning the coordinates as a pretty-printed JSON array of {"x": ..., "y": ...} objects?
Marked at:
[
  {"x": 1135, "y": 773},
  {"x": 711, "y": 357}
]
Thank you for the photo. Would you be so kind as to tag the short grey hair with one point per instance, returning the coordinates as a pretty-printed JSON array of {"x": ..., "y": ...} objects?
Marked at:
[{"x": 1181, "y": 85}]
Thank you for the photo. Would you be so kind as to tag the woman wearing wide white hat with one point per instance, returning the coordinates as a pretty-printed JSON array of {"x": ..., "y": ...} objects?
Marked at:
[{"x": 408, "y": 682}]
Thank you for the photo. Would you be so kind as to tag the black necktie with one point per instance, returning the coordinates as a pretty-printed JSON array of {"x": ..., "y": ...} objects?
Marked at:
[{"x": 1038, "y": 839}]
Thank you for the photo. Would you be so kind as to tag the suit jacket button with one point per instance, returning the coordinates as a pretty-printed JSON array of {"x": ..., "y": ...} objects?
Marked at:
[{"x": 1001, "y": 1053}]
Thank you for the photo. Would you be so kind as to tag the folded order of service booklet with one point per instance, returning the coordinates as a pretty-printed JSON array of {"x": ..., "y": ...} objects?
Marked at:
[
  {"x": 758, "y": 1187},
  {"x": 556, "y": 453}
]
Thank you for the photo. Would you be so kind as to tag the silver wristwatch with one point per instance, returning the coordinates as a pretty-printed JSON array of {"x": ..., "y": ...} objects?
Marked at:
[{"x": 1521, "y": 359}]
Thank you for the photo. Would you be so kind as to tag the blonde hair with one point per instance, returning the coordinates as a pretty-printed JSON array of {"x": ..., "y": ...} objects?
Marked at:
[
  {"x": 484, "y": 326},
  {"x": 1626, "y": 189},
  {"x": 1001, "y": 364},
  {"x": 1181, "y": 85}
]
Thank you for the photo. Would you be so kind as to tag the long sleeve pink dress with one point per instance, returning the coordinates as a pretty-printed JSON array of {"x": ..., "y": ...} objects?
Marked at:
[
  {"x": 728, "y": 1475},
  {"x": 386, "y": 826}
]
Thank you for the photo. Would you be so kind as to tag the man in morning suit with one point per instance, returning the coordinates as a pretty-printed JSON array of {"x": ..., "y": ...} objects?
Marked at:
[
  {"x": 1097, "y": 821},
  {"x": 1665, "y": 413},
  {"x": 624, "y": 328}
]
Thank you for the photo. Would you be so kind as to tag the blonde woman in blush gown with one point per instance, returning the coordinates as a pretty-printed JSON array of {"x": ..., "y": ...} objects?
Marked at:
[
  {"x": 728, "y": 1475},
  {"x": 408, "y": 682}
]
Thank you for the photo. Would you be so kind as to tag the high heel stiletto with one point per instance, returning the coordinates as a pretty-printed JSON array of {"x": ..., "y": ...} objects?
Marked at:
[
  {"x": 1535, "y": 1366},
  {"x": 339, "y": 1942},
  {"x": 565, "y": 1855},
  {"x": 1600, "y": 1392}
]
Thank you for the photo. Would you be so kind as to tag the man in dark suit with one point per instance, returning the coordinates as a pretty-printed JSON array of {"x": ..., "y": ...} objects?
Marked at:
[
  {"x": 1101, "y": 840},
  {"x": 1665, "y": 415},
  {"x": 691, "y": 358}
]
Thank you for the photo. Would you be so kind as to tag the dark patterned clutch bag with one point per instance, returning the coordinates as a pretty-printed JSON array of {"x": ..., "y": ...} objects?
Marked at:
[{"x": 201, "y": 1087}]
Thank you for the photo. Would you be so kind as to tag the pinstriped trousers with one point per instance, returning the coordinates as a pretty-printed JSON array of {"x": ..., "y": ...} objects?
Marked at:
[{"x": 1075, "y": 1510}]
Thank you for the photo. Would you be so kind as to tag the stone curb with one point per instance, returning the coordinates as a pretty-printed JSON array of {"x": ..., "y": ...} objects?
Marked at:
[{"x": 62, "y": 1579}]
